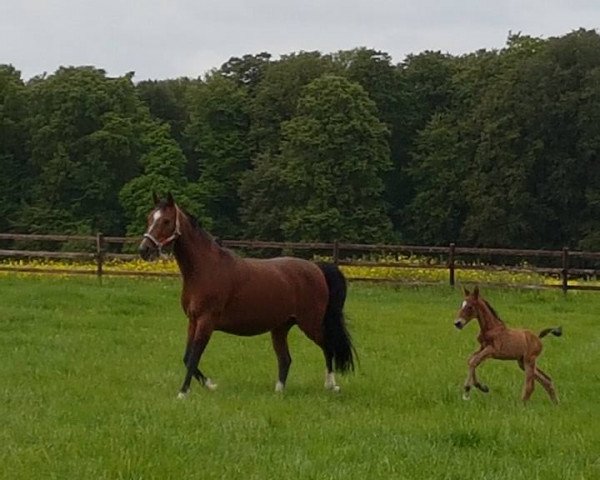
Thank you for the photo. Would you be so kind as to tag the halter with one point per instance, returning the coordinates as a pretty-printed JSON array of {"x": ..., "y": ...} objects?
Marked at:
[{"x": 167, "y": 241}]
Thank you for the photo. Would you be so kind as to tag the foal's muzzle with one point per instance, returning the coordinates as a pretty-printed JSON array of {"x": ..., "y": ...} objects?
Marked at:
[{"x": 459, "y": 323}]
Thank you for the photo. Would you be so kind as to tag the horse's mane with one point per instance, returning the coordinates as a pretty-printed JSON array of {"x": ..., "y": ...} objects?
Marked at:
[
  {"x": 494, "y": 313},
  {"x": 193, "y": 220},
  {"x": 197, "y": 225}
]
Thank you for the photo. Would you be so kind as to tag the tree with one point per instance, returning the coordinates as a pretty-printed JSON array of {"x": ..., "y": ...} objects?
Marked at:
[
  {"x": 276, "y": 96},
  {"x": 326, "y": 183},
  {"x": 437, "y": 211},
  {"x": 589, "y": 146},
  {"x": 385, "y": 85},
  {"x": 84, "y": 131},
  {"x": 535, "y": 158},
  {"x": 217, "y": 134},
  {"x": 424, "y": 88},
  {"x": 246, "y": 71},
  {"x": 563, "y": 86},
  {"x": 163, "y": 165},
  {"x": 513, "y": 160},
  {"x": 500, "y": 206},
  {"x": 14, "y": 140},
  {"x": 167, "y": 102}
]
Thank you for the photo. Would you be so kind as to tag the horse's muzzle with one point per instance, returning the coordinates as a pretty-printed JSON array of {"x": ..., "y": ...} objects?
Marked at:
[
  {"x": 147, "y": 251},
  {"x": 459, "y": 324}
]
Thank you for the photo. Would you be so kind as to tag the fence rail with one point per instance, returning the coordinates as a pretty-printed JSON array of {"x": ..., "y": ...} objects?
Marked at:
[{"x": 454, "y": 257}]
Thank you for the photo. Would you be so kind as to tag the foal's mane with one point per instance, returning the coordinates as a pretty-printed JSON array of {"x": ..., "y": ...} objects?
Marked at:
[{"x": 494, "y": 313}]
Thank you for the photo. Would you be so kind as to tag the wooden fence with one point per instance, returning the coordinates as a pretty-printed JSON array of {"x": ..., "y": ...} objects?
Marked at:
[{"x": 453, "y": 256}]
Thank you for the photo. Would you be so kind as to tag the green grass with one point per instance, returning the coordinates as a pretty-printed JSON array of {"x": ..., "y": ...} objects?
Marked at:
[{"x": 89, "y": 376}]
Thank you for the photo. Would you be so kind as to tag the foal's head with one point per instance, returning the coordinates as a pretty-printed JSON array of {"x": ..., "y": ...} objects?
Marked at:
[
  {"x": 468, "y": 309},
  {"x": 163, "y": 228}
]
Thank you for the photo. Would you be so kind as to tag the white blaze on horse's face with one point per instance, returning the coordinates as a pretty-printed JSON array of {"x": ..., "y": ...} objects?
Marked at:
[
  {"x": 150, "y": 244},
  {"x": 163, "y": 229},
  {"x": 155, "y": 218},
  {"x": 465, "y": 314}
]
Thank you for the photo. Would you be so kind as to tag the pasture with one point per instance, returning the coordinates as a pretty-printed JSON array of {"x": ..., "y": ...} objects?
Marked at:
[{"x": 89, "y": 375}]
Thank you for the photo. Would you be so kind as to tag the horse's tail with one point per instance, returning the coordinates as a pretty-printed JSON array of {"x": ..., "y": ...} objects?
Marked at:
[
  {"x": 556, "y": 331},
  {"x": 338, "y": 343}
]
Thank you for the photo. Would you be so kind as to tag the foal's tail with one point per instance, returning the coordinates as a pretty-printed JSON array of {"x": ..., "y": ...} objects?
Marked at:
[
  {"x": 556, "y": 331},
  {"x": 338, "y": 343}
]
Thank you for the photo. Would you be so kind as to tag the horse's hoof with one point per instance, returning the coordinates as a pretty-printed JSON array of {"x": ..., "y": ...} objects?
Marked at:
[
  {"x": 210, "y": 385},
  {"x": 484, "y": 388},
  {"x": 333, "y": 387},
  {"x": 466, "y": 397},
  {"x": 279, "y": 387},
  {"x": 181, "y": 395}
]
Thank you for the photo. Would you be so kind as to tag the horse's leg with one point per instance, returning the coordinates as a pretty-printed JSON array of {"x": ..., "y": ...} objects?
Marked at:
[
  {"x": 481, "y": 386},
  {"x": 284, "y": 359},
  {"x": 547, "y": 383},
  {"x": 529, "y": 385},
  {"x": 198, "y": 375},
  {"x": 329, "y": 376},
  {"x": 315, "y": 333},
  {"x": 544, "y": 380},
  {"x": 202, "y": 333},
  {"x": 470, "y": 377},
  {"x": 473, "y": 362}
]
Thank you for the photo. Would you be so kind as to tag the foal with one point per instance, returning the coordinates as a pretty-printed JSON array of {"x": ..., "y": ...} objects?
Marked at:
[{"x": 503, "y": 343}]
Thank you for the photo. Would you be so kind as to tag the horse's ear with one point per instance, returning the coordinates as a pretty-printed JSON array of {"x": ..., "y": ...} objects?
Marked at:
[
  {"x": 155, "y": 198},
  {"x": 170, "y": 199},
  {"x": 476, "y": 292},
  {"x": 465, "y": 292}
]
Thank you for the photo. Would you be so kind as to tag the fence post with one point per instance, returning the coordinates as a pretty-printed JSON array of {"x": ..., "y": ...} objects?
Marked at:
[
  {"x": 451, "y": 263},
  {"x": 336, "y": 252},
  {"x": 99, "y": 255},
  {"x": 565, "y": 269}
]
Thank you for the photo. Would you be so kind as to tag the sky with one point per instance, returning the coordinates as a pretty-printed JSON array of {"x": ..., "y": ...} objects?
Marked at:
[{"x": 160, "y": 39}]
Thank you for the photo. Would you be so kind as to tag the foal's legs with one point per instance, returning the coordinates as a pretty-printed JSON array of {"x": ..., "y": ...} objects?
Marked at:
[
  {"x": 202, "y": 333},
  {"x": 529, "y": 385},
  {"x": 547, "y": 383},
  {"x": 481, "y": 386},
  {"x": 544, "y": 380},
  {"x": 284, "y": 359},
  {"x": 474, "y": 362}
]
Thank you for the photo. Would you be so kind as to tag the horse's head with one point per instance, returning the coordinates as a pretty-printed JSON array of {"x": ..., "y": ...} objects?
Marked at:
[
  {"x": 468, "y": 308},
  {"x": 163, "y": 227}
]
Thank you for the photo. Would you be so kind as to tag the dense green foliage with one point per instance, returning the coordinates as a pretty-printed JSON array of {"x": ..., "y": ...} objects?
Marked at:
[
  {"x": 327, "y": 180},
  {"x": 494, "y": 148},
  {"x": 90, "y": 375}
]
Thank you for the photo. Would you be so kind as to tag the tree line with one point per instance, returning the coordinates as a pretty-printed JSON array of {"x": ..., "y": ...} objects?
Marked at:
[{"x": 494, "y": 148}]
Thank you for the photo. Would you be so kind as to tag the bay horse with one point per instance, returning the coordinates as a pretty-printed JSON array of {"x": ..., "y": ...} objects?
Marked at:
[
  {"x": 245, "y": 296},
  {"x": 501, "y": 342}
]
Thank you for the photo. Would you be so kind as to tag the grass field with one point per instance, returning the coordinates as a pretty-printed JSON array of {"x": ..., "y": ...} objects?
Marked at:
[{"x": 89, "y": 376}]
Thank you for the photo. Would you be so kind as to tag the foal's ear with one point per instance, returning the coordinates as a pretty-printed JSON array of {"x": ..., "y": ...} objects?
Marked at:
[
  {"x": 155, "y": 198},
  {"x": 465, "y": 292},
  {"x": 170, "y": 199},
  {"x": 476, "y": 292}
]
